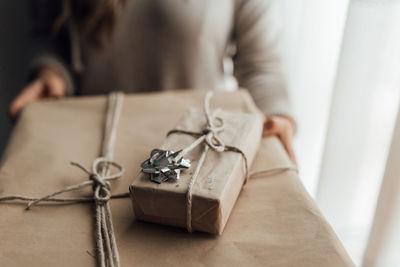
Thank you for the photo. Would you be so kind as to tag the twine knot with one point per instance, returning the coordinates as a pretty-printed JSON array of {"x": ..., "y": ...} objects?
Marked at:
[
  {"x": 98, "y": 181},
  {"x": 213, "y": 141},
  {"x": 214, "y": 125},
  {"x": 102, "y": 190},
  {"x": 101, "y": 184}
]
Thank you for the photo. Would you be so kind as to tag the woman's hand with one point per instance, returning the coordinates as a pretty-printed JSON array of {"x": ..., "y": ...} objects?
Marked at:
[
  {"x": 283, "y": 128},
  {"x": 48, "y": 84}
]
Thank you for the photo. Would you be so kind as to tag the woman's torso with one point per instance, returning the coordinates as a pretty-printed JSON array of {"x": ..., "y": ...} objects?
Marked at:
[{"x": 161, "y": 45}]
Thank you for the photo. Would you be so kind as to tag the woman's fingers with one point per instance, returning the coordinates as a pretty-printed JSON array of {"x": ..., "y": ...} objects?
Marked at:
[
  {"x": 270, "y": 127},
  {"x": 31, "y": 92},
  {"x": 55, "y": 86},
  {"x": 283, "y": 128},
  {"x": 47, "y": 84}
]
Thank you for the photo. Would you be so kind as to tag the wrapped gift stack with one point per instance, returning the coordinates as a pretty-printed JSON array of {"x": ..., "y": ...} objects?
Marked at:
[{"x": 81, "y": 215}]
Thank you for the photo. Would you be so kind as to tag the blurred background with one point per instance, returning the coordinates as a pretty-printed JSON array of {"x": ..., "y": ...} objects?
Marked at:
[
  {"x": 14, "y": 57},
  {"x": 343, "y": 66},
  {"x": 342, "y": 62}
]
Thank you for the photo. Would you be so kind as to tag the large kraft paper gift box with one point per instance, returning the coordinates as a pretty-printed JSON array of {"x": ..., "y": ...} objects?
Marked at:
[{"x": 273, "y": 223}]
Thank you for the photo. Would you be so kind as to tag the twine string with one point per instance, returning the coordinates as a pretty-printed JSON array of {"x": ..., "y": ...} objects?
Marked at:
[{"x": 99, "y": 178}]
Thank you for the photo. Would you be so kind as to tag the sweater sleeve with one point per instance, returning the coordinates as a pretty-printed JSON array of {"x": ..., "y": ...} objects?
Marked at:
[
  {"x": 257, "y": 64},
  {"x": 50, "y": 49}
]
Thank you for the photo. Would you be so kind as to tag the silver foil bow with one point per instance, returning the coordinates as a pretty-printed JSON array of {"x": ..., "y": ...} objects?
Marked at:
[{"x": 163, "y": 165}]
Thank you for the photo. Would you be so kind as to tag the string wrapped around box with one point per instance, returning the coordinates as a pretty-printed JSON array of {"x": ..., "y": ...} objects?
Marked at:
[{"x": 100, "y": 175}]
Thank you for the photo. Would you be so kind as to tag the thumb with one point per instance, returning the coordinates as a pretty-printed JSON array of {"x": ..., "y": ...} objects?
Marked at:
[{"x": 270, "y": 127}]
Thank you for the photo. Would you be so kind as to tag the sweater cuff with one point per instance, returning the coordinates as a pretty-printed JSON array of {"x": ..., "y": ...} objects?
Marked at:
[{"x": 54, "y": 63}]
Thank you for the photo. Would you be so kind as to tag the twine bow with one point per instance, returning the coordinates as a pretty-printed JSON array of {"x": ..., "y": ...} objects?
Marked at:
[
  {"x": 100, "y": 182},
  {"x": 209, "y": 134},
  {"x": 99, "y": 178}
]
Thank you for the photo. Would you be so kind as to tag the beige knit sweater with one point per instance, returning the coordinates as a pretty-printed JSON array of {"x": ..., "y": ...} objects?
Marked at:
[{"x": 179, "y": 44}]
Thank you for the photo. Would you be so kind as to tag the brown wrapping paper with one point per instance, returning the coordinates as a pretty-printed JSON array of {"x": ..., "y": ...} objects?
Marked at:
[
  {"x": 218, "y": 183},
  {"x": 274, "y": 222}
]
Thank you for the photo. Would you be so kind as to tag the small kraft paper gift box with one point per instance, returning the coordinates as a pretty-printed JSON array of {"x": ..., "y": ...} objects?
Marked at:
[{"x": 218, "y": 145}]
